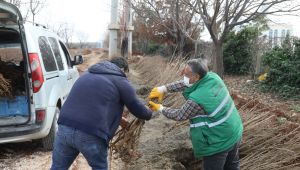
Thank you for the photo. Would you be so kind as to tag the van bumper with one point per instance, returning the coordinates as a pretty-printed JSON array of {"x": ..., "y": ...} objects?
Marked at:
[
  {"x": 22, "y": 133},
  {"x": 19, "y": 133}
]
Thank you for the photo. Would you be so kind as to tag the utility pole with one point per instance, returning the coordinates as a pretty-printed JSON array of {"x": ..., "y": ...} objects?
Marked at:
[
  {"x": 126, "y": 29},
  {"x": 130, "y": 28},
  {"x": 113, "y": 27}
]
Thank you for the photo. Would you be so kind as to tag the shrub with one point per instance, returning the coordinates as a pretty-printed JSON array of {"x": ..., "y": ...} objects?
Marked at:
[
  {"x": 283, "y": 69},
  {"x": 238, "y": 51}
]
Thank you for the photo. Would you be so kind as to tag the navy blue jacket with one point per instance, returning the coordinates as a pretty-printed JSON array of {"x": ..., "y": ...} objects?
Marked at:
[{"x": 96, "y": 101}]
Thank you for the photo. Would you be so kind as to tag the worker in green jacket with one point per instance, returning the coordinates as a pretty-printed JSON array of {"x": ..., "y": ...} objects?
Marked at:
[{"x": 215, "y": 124}]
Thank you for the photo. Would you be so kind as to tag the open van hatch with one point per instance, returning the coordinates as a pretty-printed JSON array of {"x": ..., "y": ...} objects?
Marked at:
[
  {"x": 9, "y": 14},
  {"x": 15, "y": 104}
]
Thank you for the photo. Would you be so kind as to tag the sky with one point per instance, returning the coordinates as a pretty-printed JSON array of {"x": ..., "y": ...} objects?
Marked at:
[{"x": 91, "y": 17}]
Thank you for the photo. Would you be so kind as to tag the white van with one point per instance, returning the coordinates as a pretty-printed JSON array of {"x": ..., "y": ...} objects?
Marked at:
[{"x": 41, "y": 73}]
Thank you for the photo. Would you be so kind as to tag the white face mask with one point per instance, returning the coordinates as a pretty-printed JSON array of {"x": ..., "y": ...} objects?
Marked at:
[{"x": 186, "y": 81}]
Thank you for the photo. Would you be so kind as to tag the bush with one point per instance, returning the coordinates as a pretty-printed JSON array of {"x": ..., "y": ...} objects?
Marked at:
[
  {"x": 283, "y": 69},
  {"x": 153, "y": 49},
  {"x": 242, "y": 47},
  {"x": 238, "y": 51}
]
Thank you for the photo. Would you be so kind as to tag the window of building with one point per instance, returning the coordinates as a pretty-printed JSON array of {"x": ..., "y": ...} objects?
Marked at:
[
  {"x": 271, "y": 34},
  {"x": 283, "y": 35},
  {"x": 276, "y": 37}
]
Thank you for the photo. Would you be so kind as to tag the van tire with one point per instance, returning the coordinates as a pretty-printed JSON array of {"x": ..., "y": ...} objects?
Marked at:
[{"x": 48, "y": 141}]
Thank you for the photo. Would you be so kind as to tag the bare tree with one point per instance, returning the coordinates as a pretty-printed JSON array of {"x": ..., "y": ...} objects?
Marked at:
[
  {"x": 65, "y": 31},
  {"x": 17, "y": 3},
  {"x": 26, "y": 16},
  {"x": 35, "y": 7},
  {"x": 222, "y": 16},
  {"x": 169, "y": 18},
  {"x": 21, "y": 5},
  {"x": 82, "y": 38}
]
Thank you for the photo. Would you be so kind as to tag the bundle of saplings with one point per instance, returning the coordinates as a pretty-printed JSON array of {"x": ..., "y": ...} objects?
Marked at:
[
  {"x": 5, "y": 87},
  {"x": 12, "y": 82}
]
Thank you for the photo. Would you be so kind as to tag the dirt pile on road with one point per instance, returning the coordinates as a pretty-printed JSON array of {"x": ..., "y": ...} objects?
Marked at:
[{"x": 91, "y": 57}]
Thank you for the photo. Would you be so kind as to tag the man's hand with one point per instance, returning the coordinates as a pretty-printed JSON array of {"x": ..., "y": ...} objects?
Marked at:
[
  {"x": 155, "y": 107},
  {"x": 124, "y": 123},
  {"x": 158, "y": 93},
  {"x": 125, "y": 113}
]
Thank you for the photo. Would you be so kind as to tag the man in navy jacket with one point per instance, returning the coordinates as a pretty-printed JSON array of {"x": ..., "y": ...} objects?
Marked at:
[{"x": 92, "y": 113}]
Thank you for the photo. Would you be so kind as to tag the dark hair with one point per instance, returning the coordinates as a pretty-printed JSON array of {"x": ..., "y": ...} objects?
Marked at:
[
  {"x": 198, "y": 66},
  {"x": 121, "y": 62}
]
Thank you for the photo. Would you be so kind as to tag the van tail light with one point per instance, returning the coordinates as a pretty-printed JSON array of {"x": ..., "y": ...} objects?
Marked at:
[
  {"x": 40, "y": 115},
  {"x": 36, "y": 72}
]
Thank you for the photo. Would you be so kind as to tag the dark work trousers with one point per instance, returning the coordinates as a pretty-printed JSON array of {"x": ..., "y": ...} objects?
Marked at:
[{"x": 227, "y": 160}]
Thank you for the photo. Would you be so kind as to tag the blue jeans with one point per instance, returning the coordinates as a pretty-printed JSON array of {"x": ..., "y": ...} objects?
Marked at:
[{"x": 69, "y": 142}]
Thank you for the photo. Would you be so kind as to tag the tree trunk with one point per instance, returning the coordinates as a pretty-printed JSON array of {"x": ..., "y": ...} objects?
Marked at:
[
  {"x": 218, "y": 59},
  {"x": 179, "y": 35},
  {"x": 181, "y": 44}
]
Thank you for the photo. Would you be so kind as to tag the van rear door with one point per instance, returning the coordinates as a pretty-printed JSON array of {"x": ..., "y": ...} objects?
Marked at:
[
  {"x": 16, "y": 109},
  {"x": 9, "y": 14}
]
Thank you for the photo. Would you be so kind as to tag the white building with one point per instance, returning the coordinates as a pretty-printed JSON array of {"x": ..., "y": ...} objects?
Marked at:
[{"x": 277, "y": 33}]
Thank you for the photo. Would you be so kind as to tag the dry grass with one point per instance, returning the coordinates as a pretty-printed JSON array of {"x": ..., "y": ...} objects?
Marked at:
[
  {"x": 155, "y": 71},
  {"x": 86, "y": 52},
  {"x": 271, "y": 140}
]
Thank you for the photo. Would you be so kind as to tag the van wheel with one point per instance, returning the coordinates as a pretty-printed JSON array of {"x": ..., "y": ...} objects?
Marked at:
[{"x": 48, "y": 141}]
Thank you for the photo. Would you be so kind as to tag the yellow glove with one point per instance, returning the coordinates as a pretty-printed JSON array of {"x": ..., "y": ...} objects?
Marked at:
[
  {"x": 262, "y": 77},
  {"x": 155, "y": 107},
  {"x": 158, "y": 93}
]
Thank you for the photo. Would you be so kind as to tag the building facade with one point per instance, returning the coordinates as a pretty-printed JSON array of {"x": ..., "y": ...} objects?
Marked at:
[{"x": 277, "y": 33}]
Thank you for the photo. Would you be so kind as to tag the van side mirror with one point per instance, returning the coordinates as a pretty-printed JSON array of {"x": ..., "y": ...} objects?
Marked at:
[{"x": 78, "y": 59}]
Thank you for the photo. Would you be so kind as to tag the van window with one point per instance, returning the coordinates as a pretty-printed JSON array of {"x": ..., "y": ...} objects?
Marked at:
[
  {"x": 56, "y": 51},
  {"x": 67, "y": 55},
  {"x": 47, "y": 55}
]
